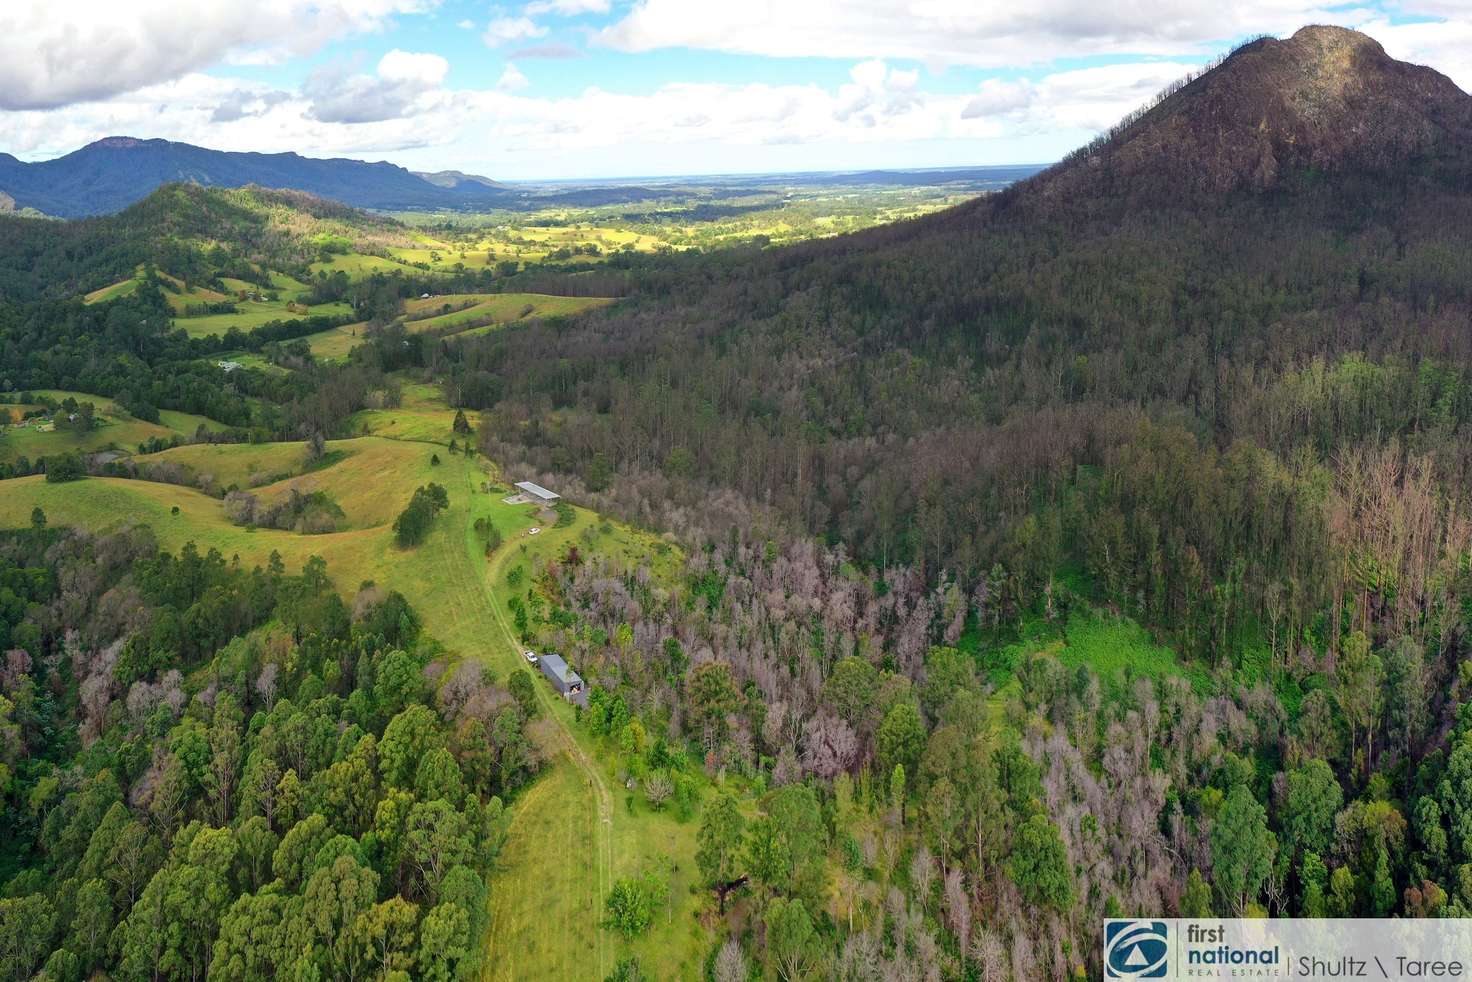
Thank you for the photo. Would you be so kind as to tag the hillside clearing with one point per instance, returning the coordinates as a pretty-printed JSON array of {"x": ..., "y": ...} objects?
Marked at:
[{"x": 498, "y": 307}]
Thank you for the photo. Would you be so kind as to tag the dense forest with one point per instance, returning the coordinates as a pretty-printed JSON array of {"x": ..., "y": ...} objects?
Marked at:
[{"x": 234, "y": 774}]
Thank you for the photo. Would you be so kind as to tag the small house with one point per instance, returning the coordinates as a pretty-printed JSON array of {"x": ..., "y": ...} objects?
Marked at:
[
  {"x": 569, "y": 684},
  {"x": 537, "y": 493}
]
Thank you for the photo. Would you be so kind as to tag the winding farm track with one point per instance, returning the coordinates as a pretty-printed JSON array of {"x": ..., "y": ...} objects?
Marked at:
[{"x": 504, "y": 956}]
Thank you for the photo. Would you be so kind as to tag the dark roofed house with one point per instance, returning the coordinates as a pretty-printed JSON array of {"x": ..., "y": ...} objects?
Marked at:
[
  {"x": 567, "y": 682},
  {"x": 537, "y": 493}
]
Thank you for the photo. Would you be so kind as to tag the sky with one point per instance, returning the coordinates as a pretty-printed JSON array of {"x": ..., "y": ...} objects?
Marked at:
[{"x": 582, "y": 89}]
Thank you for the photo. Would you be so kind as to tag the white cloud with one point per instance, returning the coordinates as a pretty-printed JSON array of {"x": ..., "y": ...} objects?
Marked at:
[
  {"x": 403, "y": 80},
  {"x": 998, "y": 97},
  {"x": 962, "y": 32},
  {"x": 1432, "y": 8},
  {"x": 512, "y": 80},
  {"x": 877, "y": 93},
  {"x": 466, "y": 25},
  {"x": 1445, "y": 45},
  {"x": 53, "y": 54},
  {"x": 503, "y": 30},
  {"x": 403, "y": 105},
  {"x": 879, "y": 104},
  {"x": 417, "y": 68},
  {"x": 554, "y": 52},
  {"x": 1091, "y": 99},
  {"x": 244, "y": 102},
  {"x": 566, "y": 8}
]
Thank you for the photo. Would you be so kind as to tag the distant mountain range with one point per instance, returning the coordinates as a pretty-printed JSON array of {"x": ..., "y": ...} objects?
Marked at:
[
  {"x": 107, "y": 176},
  {"x": 112, "y": 173},
  {"x": 454, "y": 178}
]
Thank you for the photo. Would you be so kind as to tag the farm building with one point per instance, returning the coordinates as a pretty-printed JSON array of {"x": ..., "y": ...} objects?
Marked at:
[
  {"x": 567, "y": 682},
  {"x": 537, "y": 493}
]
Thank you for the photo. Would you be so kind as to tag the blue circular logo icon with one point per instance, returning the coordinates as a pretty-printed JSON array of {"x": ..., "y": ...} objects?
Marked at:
[{"x": 1136, "y": 949}]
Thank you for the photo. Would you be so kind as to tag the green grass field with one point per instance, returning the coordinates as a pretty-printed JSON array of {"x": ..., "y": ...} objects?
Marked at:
[
  {"x": 356, "y": 265},
  {"x": 414, "y": 420},
  {"x": 356, "y": 481},
  {"x": 504, "y": 307},
  {"x": 182, "y": 294},
  {"x": 120, "y": 289},
  {"x": 288, "y": 286},
  {"x": 336, "y": 342},
  {"x": 285, "y": 287},
  {"x": 352, "y": 472},
  {"x": 114, "y": 429},
  {"x": 31, "y": 443},
  {"x": 243, "y": 464},
  {"x": 251, "y": 314},
  {"x": 426, "y": 575}
]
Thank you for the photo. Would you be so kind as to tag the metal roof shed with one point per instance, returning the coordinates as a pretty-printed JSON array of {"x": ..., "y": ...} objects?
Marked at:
[
  {"x": 564, "y": 679},
  {"x": 537, "y": 491}
]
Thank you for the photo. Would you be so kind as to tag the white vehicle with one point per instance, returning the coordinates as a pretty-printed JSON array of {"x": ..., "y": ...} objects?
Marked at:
[
  {"x": 533, "y": 531},
  {"x": 530, "y": 656}
]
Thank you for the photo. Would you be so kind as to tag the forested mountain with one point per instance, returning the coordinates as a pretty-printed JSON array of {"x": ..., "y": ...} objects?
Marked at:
[
  {"x": 112, "y": 173},
  {"x": 454, "y": 179},
  {"x": 191, "y": 231},
  {"x": 933, "y": 390},
  {"x": 1325, "y": 101}
]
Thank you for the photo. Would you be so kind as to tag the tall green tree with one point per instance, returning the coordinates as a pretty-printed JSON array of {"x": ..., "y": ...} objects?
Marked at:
[
  {"x": 791, "y": 939},
  {"x": 1311, "y": 799},
  {"x": 444, "y": 943},
  {"x": 719, "y": 853},
  {"x": 1039, "y": 864},
  {"x": 1242, "y": 849},
  {"x": 1358, "y": 689},
  {"x": 710, "y": 697},
  {"x": 900, "y": 739}
]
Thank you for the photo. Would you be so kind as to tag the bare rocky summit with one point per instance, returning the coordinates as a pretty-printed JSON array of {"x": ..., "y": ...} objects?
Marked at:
[{"x": 1325, "y": 100}]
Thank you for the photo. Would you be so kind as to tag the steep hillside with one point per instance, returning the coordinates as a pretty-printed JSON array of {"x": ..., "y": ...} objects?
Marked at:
[
  {"x": 175, "y": 228},
  {"x": 916, "y": 390}
]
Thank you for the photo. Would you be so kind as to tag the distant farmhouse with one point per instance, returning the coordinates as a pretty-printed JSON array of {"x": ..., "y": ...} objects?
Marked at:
[
  {"x": 536, "y": 493},
  {"x": 568, "y": 683}
]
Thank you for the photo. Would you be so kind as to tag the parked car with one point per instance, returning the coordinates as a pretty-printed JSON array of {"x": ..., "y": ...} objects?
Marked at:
[{"x": 530, "y": 656}]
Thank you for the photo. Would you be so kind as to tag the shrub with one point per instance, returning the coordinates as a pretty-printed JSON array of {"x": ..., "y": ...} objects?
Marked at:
[{"x": 66, "y": 467}]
